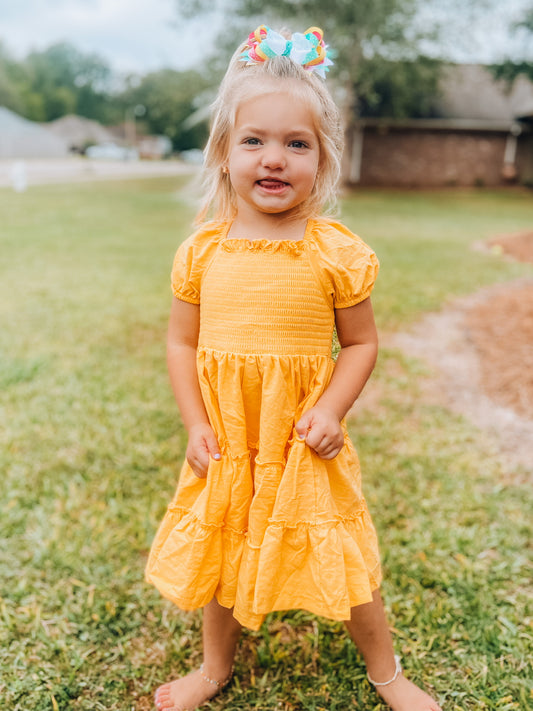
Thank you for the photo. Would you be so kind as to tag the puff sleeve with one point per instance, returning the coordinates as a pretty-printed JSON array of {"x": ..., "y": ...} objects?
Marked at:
[
  {"x": 185, "y": 277},
  {"x": 356, "y": 275},
  {"x": 191, "y": 262},
  {"x": 350, "y": 266}
]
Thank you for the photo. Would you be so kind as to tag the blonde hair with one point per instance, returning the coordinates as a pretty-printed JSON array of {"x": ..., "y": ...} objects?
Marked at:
[{"x": 243, "y": 82}]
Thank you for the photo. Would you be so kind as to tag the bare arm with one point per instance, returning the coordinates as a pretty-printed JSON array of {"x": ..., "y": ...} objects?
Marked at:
[
  {"x": 358, "y": 338},
  {"x": 182, "y": 341},
  {"x": 320, "y": 426}
]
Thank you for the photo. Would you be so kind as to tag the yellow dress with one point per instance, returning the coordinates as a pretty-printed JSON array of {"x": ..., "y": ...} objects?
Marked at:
[{"x": 272, "y": 526}]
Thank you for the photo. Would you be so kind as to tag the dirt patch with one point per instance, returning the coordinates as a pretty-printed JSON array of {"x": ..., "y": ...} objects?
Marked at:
[
  {"x": 481, "y": 350},
  {"x": 501, "y": 330},
  {"x": 516, "y": 246}
]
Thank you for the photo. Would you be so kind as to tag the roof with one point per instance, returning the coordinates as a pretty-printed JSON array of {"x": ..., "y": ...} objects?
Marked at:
[
  {"x": 20, "y": 138},
  {"x": 78, "y": 131},
  {"x": 436, "y": 124},
  {"x": 470, "y": 91},
  {"x": 472, "y": 99}
]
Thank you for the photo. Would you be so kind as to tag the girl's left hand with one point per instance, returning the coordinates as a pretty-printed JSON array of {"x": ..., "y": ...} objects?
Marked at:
[{"x": 321, "y": 430}]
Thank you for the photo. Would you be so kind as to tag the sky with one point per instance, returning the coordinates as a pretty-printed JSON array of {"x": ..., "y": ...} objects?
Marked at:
[
  {"x": 144, "y": 35},
  {"x": 132, "y": 35}
]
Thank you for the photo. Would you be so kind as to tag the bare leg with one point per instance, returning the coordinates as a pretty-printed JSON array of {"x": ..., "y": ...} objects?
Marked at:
[
  {"x": 369, "y": 630},
  {"x": 221, "y": 632}
]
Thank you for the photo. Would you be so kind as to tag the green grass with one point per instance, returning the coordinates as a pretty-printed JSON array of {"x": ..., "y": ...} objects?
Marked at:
[
  {"x": 90, "y": 446},
  {"x": 424, "y": 242}
]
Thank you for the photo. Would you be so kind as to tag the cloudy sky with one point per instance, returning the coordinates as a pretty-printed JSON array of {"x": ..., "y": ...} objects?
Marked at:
[
  {"x": 133, "y": 35},
  {"x": 143, "y": 35}
]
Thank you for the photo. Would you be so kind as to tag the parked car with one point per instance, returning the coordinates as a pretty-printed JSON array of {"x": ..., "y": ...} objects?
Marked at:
[
  {"x": 194, "y": 156},
  {"x": 110, "y": 151}
]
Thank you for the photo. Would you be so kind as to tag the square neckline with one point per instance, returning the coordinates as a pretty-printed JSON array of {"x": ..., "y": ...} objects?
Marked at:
[{"x": 225, "y": 238}]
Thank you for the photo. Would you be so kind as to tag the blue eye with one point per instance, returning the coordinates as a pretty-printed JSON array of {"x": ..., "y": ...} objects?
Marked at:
[
  {"x": 298, "y": 144},
  {"x": 252, "y": 141}
]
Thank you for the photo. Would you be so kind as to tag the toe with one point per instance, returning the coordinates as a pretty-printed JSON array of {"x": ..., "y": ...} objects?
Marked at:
[
  {"x": 162, "y": 697},
  {"x": 161, "y": 690}
]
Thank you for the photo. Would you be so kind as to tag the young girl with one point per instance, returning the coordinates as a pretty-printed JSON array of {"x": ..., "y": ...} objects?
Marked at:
[{"x": 269, "y": 513}]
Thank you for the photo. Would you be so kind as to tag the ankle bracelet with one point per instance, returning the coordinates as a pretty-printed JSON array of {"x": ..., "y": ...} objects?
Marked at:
[
  {"x": 397, "y": 673},
  {"x": 215, "y": 682}
]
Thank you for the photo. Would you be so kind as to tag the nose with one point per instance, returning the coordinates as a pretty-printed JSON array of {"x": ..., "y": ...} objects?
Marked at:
[{"x": 273, "y": 156}]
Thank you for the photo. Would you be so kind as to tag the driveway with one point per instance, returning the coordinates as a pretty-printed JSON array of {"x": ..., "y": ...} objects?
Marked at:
[{"x": 67, "y": 170}]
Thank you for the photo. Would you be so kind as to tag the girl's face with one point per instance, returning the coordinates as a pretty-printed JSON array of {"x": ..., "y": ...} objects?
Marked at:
[{"x": 273, "y": 155}]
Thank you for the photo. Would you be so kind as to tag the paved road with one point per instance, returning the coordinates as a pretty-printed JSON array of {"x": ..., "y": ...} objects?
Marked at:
[{"x": 39, "y": 171}]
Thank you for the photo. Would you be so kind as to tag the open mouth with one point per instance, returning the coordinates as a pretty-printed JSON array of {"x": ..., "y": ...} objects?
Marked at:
[{"x": 272, "y": 184}]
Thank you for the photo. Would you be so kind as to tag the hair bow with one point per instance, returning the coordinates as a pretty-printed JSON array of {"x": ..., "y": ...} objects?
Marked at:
[{"x": 307, "y": 49}]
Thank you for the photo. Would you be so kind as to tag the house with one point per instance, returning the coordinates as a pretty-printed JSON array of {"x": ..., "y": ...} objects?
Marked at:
[
  {"x": 20, "y": 138},
  {"x": 79, "y": 132},
  {"x": 483, "y": 137},
  {"x": 82, "y": 133}
]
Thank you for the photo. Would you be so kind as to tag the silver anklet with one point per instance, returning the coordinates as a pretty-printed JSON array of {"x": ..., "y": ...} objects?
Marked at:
[
  {"x": 215, "y": 682},
  {"x": 396, "y": 674}
]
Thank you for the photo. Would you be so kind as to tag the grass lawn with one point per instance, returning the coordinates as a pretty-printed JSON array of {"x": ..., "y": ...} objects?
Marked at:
[{"x": 90, "y": 446}]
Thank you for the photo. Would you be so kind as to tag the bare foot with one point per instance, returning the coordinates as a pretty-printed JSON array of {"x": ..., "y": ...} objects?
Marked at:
[
  {"x": 187, "y": 693},
  {"x": 403, "y": 695}
]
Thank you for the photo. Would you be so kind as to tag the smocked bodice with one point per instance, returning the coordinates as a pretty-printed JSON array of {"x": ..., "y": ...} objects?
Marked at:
[{"x": 264, "y": 298}]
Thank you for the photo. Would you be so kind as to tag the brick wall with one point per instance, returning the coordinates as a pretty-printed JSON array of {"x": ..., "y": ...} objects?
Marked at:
[{"x": 431, "y": 158}]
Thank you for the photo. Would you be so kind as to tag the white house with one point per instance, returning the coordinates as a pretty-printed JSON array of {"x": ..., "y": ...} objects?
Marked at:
[{"x": 20, "y": 138}]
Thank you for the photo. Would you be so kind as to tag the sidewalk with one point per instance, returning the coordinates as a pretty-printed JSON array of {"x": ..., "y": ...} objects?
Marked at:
[{"x": 76, "y": 169}]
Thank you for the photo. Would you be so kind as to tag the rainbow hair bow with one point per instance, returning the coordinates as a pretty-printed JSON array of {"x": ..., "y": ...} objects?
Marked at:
[{"x": 307, "y": 49}]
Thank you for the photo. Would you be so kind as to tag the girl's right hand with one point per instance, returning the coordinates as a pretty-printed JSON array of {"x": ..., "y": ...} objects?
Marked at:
[
  {"x": 321, "y": 430},
  {"x": 202, "y": 445}
]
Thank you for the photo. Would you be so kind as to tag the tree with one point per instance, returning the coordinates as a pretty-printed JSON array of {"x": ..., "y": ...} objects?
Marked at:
[
  {"x": 361, "y": 31},
  {"x": 170, "y": 97},
  {"x": 9, "y": 82},
  {"x": 61, "y": 80},
  {"x": 401, "y": 89},
  {"x": 509, "y": 70}
]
